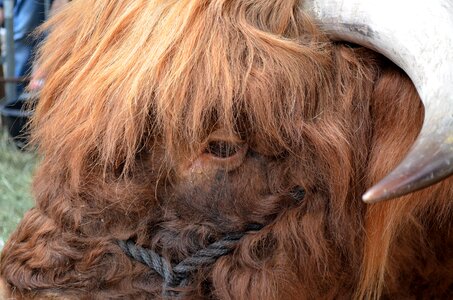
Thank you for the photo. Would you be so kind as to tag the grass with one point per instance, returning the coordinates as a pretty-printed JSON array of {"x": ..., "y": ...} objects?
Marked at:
[{"x": 16, "y": 170}]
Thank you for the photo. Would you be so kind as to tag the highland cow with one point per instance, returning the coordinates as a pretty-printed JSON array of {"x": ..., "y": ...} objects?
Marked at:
[{"x": 174, "y": 124}]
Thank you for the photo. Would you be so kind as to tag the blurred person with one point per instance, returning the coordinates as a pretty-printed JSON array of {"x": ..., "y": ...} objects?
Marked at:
[
  {"x": 27, "y": 15},
  {"x": 37, "y": 78}
]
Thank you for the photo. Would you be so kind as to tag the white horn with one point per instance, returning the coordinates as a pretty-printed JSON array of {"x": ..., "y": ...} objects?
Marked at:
[{"x": 417, "y": 35}]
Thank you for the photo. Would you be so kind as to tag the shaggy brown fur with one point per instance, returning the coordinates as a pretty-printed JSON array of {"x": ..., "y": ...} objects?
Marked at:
[{"x": 142, "y": 99}]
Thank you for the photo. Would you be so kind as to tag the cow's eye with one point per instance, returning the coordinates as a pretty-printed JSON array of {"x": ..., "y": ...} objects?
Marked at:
[{"x": 222, "y": 149}]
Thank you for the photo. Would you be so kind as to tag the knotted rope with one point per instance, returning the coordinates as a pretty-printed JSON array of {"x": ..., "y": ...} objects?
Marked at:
[{"x": 179, "y": 275}]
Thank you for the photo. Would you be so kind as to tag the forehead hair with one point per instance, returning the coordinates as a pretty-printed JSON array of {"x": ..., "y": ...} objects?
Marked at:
[{"x": 126, "y": 72}]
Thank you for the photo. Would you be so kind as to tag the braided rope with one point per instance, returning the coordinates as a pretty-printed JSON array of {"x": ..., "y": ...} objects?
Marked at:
[
  {"x": 147, "y": 257},
  {"x": 179, "y": 275}
]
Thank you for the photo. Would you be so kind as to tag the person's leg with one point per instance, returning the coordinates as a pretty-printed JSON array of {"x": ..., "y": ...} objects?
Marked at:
[{"x": 28, "y": 14}]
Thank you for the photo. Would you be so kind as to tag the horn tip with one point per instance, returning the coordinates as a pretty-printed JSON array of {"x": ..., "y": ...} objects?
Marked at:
[
  {"x": 375, "y": 195},
  {"x": 392, "y": 186},
  {"x": 396, "y": 184}
]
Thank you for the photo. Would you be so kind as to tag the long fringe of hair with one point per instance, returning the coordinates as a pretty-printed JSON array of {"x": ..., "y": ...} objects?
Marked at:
[{"x": 121, "y": 75}]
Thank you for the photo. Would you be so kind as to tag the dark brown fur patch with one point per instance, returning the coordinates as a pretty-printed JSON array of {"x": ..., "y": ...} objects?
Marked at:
[{"x": 135, "y": 92}]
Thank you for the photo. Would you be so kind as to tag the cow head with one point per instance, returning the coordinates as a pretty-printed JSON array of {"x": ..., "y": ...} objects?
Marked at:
[{"x": 174, "y": 123}]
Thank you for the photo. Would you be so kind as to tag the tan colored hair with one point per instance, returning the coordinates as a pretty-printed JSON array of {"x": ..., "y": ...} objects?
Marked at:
[{"x": 132, "y": 86}]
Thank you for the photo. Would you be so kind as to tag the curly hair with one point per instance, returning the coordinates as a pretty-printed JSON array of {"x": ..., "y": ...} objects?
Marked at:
[{"x": 137, "y": 92}]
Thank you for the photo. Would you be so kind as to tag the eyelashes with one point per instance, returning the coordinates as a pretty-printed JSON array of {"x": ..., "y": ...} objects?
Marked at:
[{"x": 222, "y": 149}]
